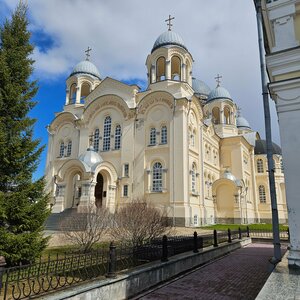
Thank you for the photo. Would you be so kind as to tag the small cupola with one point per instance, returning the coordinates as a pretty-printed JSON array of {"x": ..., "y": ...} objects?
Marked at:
[
  {"x": 241, "y": 123},
  {"x": 84, "y": 77},
  {"x": 170, "y": 59}
]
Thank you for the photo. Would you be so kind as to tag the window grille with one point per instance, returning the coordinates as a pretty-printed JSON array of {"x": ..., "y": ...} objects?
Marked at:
[
  {"x": 96, "y": 140},
  {"x": 125, "y": 190},
  {"x": 152, "y": 136},
  {"x": 106, "y": 133},
  {"x": 164, "y": 135},
  {"x": 126, "y": 170},
  {"x": 157, "y": 177},
  {"x": 118, "y": 137},
  {"x": 260, "y": 166},
  {"x": 62, "y": 149},
  {"x": 69, "y": 148},
  {"x": 193, "y": 174},
  {"x": 262, "y": 194}
]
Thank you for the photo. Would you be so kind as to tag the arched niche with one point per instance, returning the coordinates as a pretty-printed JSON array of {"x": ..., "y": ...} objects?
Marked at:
[
  {"x": 84, "y": 91},
  {"x": 175, "y": 68},
  {"x": 216, "y": 115},
  {"x": 161, "y": 69}
]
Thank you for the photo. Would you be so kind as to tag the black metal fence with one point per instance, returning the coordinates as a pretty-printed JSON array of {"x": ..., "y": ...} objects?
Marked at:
[{"x": 42, "y": 277}]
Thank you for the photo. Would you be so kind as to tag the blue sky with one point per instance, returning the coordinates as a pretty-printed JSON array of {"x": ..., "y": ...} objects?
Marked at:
[{"x": 221, "y": 35}]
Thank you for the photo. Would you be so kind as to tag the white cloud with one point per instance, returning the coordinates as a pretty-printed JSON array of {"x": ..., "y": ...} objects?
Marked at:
[{"x": 220, "y": 34}]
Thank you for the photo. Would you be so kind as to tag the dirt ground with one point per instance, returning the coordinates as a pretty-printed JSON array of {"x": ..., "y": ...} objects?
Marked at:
[{"x": 58, "y": 238}]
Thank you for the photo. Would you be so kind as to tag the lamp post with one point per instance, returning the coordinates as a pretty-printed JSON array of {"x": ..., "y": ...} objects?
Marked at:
[{"x": 275, "y": 223}]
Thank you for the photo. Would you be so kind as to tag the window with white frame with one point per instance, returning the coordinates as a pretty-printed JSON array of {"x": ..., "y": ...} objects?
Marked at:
[
  {"x": 62, "y": 149},
  {"x": 125, "y": 190},
  {"x": 126, "y": 170},
  {"x": 262, "y": 194},
  {"x": 106, "y": 133},
  {"x": 157, "y": 177},
  {"x": 164, "y": 135},
  {"x": 193, "y": 175},
  {"x": 69, "y": 148},
  {"x": 96, "y": 139},
  {"x": 152, "y": 136},
  {"x": 260, "y": 166},
  {"x": 118, "y": 137}
]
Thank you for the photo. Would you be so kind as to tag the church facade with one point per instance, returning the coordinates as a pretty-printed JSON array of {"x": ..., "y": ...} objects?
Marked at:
[{"x": 181, "y": 146}]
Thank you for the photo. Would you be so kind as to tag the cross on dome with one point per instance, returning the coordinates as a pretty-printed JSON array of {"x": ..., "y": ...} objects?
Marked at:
[
  {"x": 87, "y": 53},
  {"x": 169, "y": 22},
  {"x": 218, "y": 79}
]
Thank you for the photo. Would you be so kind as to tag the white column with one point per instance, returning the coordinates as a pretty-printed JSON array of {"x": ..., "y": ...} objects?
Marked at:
[
  {"x": 153, "y": 73},
  {"x": 168, "y": 69},
  {"x": 288, "y": 107},
  {"x": 78, "y": 93},
  {"x": 183, "y": 73},
  {"x": 67, "y": 97}
]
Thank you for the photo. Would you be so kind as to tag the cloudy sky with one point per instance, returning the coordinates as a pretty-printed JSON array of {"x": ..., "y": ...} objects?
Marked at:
[{"x": 221, "y": 35}]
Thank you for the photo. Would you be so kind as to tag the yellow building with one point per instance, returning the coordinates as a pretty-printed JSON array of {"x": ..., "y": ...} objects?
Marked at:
[
  {"x": 178, "y": 144},
  {"x": 281, "y": 26}
]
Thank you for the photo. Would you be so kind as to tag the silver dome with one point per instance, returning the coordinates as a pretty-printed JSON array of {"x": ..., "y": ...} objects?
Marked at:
[
  {"x": 242, "y": 123},
  {"x": 228, "y": 175},
  {"x": 219, "y": 93},
  {"x": 86, "y": 67},
  {"x": 90, "y": 157},
  {"x": 169, "y": 38},
  {"x": 200, "y": 87}
]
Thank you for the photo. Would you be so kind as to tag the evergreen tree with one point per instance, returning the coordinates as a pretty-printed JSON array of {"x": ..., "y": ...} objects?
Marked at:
[{"x": 23, "y": 204}]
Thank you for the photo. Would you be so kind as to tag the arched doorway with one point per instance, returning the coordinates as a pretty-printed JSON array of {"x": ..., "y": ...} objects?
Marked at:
[
  {"x": 73, "y": 190},
  {"x": 99, "y": 190}
]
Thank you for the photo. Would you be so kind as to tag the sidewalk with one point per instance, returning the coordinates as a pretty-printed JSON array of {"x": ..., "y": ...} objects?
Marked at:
[{"x": 239, "y": 275}]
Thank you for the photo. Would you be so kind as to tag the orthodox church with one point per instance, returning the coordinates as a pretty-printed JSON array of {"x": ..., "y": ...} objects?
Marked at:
[{"x": 180, "y": 145}]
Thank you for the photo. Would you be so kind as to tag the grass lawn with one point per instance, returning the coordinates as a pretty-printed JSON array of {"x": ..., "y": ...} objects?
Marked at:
[{"x": 243, "y": 226}]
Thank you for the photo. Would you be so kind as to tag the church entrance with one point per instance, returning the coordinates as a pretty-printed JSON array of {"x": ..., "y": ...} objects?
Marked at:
[{"x": 99, "y": 190}]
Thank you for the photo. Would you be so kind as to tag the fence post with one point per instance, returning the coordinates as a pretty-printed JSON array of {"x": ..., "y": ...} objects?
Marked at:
[
  {"x": 195, "y": 242},
  {"x": 248, "y": 231},
  {"x": 2, "y": 268},
  {"x": 164, "y": 249},
  {"x": 215, "y": 238},
  {"x": 112, "y": 261},
  {"x": 229, "y": 236},
  {"x": 240, "y": 233}
]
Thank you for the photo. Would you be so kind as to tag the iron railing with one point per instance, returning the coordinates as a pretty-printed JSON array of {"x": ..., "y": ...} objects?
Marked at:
[{"x": 52, "y": 274}]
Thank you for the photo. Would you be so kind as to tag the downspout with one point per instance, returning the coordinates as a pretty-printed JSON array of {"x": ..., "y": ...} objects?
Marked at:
[
  {"x": 188, "y": 160},
  {"x": 202, "y": 175},
  {"x": 173, "y": 168}
]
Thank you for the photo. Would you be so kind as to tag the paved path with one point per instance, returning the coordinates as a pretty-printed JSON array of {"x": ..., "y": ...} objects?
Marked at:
[{"x": 239, "y": 275}]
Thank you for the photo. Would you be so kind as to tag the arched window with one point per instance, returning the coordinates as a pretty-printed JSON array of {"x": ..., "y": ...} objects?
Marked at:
[
  {"x": 96, "y": 139},
  {"x": 69, "y": 148},
  {"x": 62, "y": 149},
  {"x": 216, "y": 115},
  {"x": 161, "y": 69},
  {"x": 262, "y": 194},
  {"x": 85, "y": 90},
  {"x": 164, "y": 135},
  {"x": 106, "y": 133},
  {"x": 72, "y": 93},
  {"x": 193, "y": 179},
  {"x": 227, "y": 115},
  {"x": 152, "y": 136},
  {"x": 118, "y": 137},
  {"x": 260, "y": 166},
  {"x": 157, "y": 177},
  {"x": 175, "y": 68}
]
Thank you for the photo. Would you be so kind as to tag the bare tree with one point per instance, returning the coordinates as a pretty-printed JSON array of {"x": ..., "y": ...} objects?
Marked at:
[
  {"x": 138, "y": 222},
  {"x": 86, "y": 229}
]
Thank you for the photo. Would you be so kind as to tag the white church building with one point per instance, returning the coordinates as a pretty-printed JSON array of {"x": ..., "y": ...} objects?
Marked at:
[{"x": 183, "y": 147}]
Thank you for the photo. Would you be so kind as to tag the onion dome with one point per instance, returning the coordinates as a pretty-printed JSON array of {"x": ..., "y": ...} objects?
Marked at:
[
  {"x": 219, "y": 93},
  {"x": 228, "y": 175},
  {"x": 242, "y": 123},
  {"x": 200, "y": 87},
  {"x": 86, "y": 67},
  {"x": 169, "y": 38},
  {"x": 90, "y": 157},
  {"x": 261, "y": 147}
]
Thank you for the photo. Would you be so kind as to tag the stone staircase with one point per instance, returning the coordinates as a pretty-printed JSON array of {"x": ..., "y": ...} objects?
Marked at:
[{"x": 53, "y": 221}]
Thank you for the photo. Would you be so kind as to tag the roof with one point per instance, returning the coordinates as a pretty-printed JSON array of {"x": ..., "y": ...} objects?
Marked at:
[
  {"x": 90, "y": 157},
  {"x": 261, "y": 147},
  {"x": 242, "y": 123},
  {"x": 200, "y": 87},
  {"x": 169, "y": 38},
  {"x": 86, "y": 67},
  {"x": 219, "y": 93}
]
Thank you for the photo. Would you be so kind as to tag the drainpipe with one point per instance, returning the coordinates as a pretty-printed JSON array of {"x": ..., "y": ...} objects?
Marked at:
[
  {"x": 173, "y": 168},
  {"x": 276, "y": 239}
]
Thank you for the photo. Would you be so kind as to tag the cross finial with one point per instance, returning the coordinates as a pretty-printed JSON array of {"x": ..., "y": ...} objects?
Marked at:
[
  {"x": 87, "y": 53},
  {"x": 91, "y": 138},
  {"x": 169, "y": 22},
  {"x": 218, "y": 79}
]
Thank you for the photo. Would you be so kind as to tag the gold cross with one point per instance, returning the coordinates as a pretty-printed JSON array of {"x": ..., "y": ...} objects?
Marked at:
[
  {"x": 218, "y": 79},
  {"x": 87, "y": 51},
  {"x": 169, "y": 22}
]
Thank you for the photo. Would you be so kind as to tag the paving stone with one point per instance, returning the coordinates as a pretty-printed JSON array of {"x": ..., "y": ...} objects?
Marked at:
[{"x": 239, "y": 275}]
